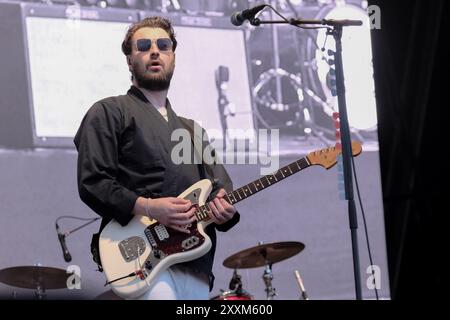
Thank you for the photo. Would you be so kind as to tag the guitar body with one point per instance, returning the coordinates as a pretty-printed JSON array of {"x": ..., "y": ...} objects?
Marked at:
[{"x": 147, "y": 248}]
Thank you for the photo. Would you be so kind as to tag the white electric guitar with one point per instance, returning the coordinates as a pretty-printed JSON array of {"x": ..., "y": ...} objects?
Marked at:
[{"x": 132, "y": 256}]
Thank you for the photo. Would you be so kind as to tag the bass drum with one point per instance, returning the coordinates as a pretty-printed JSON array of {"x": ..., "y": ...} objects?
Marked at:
[
  {"x": 234, "y": 295},
  {"x": 358, "y": 68}
]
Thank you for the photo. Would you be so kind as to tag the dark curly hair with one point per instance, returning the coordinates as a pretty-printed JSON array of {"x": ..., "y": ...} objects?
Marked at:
[{"x": 149, "y": 22}]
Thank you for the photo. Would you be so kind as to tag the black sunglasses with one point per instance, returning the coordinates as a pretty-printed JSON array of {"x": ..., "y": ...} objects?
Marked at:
[{"x": 163, "y": 44}]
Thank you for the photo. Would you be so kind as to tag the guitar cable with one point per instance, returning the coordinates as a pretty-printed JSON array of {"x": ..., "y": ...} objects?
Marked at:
[
  {"x": 133, "y": 274},
  {"x": 128, "y": 276},
  {"x": 365, "y": 226}
]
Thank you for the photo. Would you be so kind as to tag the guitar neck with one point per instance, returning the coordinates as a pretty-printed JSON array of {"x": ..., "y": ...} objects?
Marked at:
[
  {"x": 266, "y": 181},
  {"x": 326, "y": 158}
]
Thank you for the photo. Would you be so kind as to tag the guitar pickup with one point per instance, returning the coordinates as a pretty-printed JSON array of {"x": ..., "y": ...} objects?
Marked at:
[
  {"x": 161, "y": 232},
  {"x": 190, "y": 243}
]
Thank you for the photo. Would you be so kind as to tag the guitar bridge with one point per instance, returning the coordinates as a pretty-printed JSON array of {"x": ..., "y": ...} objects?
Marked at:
[{"x": 132, "y": 248}]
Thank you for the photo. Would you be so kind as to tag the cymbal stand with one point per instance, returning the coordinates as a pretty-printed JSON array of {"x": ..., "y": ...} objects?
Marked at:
[
  {"x": 40, "y": 292},
  {"x": 268, "y": 277},
  {"x": 236, "y": 283}
]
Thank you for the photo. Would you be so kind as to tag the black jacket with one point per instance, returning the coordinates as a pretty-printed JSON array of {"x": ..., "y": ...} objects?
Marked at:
[{"x": 124, "y": 152}]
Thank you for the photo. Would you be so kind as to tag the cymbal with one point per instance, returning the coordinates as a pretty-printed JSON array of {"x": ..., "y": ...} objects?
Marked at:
[
  {"x": 30, "y": 277},
  {"x": 263, "y": 255}
]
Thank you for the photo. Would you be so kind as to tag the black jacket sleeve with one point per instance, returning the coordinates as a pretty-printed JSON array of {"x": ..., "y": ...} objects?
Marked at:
[{"x": 97, "y": 142}]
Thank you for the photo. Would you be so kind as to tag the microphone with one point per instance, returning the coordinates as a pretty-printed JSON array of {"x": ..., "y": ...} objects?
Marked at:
[
  {"x": 239, "y": 17},
  {"x": 62, "y": 242}
]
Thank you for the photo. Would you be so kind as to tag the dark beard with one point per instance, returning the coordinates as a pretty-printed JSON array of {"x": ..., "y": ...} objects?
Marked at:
[{"x": 159, "y": 83}]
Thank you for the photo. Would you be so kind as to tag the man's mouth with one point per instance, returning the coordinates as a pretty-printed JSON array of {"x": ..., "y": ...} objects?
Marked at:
[{"x": 155, "y": 66}]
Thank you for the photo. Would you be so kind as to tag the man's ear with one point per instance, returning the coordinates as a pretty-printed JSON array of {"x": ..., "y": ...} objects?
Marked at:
[{"x": 129, "y": 63}]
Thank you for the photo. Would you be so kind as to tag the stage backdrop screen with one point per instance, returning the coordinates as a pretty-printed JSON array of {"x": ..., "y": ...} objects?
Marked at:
[
  {"x": 73, "y": 63},
  {"x": 74, "y": 59}
]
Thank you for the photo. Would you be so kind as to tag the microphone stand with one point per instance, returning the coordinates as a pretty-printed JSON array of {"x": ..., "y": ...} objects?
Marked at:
[
  {"x": 336, "y": 31},
  {"x": 65, "y": 234}
]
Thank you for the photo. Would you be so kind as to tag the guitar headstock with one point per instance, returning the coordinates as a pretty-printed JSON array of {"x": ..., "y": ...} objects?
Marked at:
[{"x": 327, "y": 158}]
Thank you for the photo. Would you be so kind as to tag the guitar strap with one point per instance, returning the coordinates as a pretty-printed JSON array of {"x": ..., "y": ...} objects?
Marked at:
[{"x": 205, "y": 169}]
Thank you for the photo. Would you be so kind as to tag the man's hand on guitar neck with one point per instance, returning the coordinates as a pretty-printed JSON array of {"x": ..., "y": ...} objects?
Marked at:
[
  {"x": 171, "y": 212},
  {"x": 221, "y": 210}
]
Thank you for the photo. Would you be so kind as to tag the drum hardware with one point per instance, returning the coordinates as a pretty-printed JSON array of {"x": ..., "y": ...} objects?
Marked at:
[
  {"x": 236, "y": 291},
  {"x": 233, "y": 295},
  {"x": 235, "y": 282},
  {"x": 268, "y": 277},
  {"x": 262, "y": 255},
  {"x": 300, "y": 284},
  {"x": 35, "y": 277}
]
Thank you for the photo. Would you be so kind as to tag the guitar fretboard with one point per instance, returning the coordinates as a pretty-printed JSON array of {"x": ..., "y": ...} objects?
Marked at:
[{"x": 257, "y": 185}]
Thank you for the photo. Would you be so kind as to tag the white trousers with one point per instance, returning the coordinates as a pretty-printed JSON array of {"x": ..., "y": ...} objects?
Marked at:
[{"x": 178, "y": 283}]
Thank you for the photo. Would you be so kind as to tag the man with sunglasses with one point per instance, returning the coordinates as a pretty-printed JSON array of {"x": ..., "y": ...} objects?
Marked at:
[{"x": 124, "y": 159}]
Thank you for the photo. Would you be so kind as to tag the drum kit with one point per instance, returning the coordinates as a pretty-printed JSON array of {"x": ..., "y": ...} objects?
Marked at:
[
  {"x": 263, "y": 255},
  {"x": 41, "y": 278},
  {"x": 35, "y": 277}
]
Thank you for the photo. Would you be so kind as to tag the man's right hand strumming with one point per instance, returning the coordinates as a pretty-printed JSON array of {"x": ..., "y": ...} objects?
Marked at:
[{"x": 171, "y": 212}]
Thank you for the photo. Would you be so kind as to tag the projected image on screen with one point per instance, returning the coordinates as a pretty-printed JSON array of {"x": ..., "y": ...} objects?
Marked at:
[
  {"x": 76, "y": 63},
  {"x": 73, "y": 65},
  {"x": 297, "y": 93},
  {"x": 200, "y": 53}
]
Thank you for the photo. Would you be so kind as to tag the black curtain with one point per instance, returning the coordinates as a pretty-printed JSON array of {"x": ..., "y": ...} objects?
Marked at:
[{"x": 411, "y": 76}]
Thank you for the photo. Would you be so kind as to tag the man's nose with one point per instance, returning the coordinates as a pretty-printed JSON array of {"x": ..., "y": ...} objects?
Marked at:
[{"x": 154, "y": 51}]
